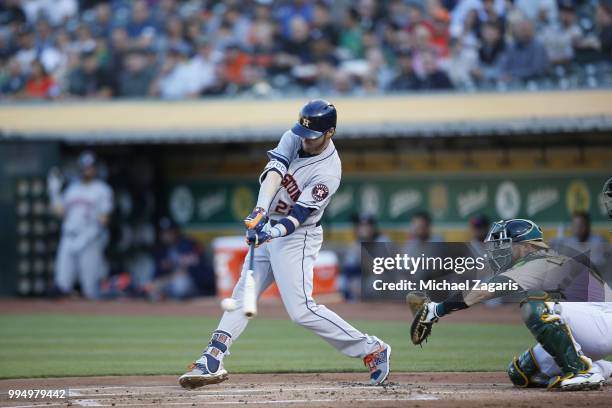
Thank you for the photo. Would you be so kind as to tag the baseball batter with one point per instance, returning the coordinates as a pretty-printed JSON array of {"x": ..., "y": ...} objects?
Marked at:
[
  {"x": 297, "y": 184},
  {"x": 573, "y": 338},
  {"x": 85, "y": 206}
]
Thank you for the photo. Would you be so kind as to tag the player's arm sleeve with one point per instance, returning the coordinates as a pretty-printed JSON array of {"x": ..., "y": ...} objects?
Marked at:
[
  {"x": 452, "y": 303},
  {"x": 272, "y": 175},
  {"x": 268, "y": 188},
  {"x": 281, "y": 156},
  {"x": 463, "y": 299}
]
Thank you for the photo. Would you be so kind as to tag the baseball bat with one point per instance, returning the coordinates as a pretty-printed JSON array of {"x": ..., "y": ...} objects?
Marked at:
[{"x": 249, "y": 300}]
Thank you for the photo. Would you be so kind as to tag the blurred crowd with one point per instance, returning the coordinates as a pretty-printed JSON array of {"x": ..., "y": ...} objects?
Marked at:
[{"x": 170, "y": 49}]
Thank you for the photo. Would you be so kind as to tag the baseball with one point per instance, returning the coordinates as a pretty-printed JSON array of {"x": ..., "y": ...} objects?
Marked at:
[{"x": 229, "y": 304}]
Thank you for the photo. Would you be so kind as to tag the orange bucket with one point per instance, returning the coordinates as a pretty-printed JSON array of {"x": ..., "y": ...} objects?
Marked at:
[{"x": 229, "y": 255}]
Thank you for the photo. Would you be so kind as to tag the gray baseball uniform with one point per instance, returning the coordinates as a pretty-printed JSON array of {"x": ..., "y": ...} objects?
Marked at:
[
  {"x": 310, "y": 182},
  {"x": 81, "y": 248}
]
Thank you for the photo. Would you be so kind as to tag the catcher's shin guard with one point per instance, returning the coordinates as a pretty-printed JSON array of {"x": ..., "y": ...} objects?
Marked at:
[
  {"x": 208, "y": 369},
  {"x": 525, "y": 372},
  {"x": 554, "y": 336}
]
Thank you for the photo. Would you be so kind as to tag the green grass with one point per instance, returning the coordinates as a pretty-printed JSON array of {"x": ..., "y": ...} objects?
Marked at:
[{"x": 63, "y": 345}]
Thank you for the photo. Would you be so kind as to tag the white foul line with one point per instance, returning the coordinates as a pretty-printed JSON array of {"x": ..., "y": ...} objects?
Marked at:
[
  {"x": 242, "y": 402},
  {"x": 88, "y": 402}
]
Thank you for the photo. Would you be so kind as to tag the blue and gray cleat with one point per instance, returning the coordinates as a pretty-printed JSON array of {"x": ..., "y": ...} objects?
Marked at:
[
  {"x": 378, "y": 362},
  {"x": 200, "y": 375},
  {"x": 208, "y": 369}
]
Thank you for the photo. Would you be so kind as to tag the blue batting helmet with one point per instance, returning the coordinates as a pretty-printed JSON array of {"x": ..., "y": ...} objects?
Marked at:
[{"x": 316, "y": 118}]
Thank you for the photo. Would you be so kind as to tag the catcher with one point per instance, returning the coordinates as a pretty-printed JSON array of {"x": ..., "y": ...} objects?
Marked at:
[{"x": 573, "y": 338}]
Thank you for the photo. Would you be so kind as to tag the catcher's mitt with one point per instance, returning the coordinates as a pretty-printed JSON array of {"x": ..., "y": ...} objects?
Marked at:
[{"x": 421, "y": 325}]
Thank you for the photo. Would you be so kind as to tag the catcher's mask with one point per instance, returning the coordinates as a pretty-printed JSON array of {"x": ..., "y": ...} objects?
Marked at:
[{"x": 502, "y": 234}]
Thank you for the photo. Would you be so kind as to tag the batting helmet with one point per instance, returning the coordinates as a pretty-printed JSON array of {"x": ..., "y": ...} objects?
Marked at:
[{"x": 316, "y": 118}]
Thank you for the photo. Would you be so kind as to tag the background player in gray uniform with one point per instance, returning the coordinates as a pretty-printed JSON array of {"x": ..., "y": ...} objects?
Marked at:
[
  {"x": 606, "y": 196},
  {"x": 296, "y": 186},
  {"x": 574, "y": 338},
  {"x": 85, "y": 206}
]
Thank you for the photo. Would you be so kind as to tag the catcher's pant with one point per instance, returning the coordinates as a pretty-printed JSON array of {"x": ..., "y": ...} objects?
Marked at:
[
  {"x": 289, "y": 262},
  {"x": 591, "y": 327},
  {"x": 87, "y": 263}
]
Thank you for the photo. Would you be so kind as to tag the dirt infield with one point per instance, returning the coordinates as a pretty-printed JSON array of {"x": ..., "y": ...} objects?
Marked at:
[{"x": 296, "y": 390}]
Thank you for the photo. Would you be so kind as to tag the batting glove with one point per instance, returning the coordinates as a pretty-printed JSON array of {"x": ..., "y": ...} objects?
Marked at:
[
  {"x": 262, "y": 235},
  {"x": 256, "y": 219},
  {"x": 256, "y": 237}
]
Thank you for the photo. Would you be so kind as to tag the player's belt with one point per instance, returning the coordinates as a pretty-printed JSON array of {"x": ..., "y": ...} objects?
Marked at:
[{"x": 318, "y": 224}]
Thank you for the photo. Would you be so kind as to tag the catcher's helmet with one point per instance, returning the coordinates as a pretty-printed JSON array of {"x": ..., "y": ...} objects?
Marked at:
[
  {"x": 607, "y": 196},
  {"x": 502, "y": 234},
  {"x": 316, "y": 118}
]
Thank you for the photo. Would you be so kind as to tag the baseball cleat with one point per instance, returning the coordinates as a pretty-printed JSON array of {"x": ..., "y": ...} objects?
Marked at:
[
  {"x": 583, "y": 382},
  {"x": 199, "y": 375},
  {"x": 208, "y": 369},
  {"x": 378, "y": 362}
]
